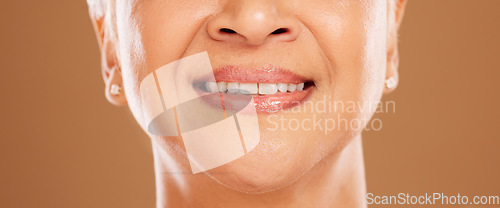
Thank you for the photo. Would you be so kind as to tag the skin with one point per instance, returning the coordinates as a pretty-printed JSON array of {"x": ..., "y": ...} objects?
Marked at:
[{"x": 347, "y": 47}]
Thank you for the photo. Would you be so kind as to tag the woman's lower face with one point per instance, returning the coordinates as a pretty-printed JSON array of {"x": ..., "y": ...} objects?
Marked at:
[{"x": 314, "y": 70}]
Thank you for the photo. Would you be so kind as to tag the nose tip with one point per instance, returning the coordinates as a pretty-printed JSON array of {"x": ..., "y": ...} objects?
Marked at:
[{"x": 253, "y": 25}]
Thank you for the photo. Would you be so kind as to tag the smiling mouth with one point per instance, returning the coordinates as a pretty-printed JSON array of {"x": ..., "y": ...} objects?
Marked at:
[{"x": 273, "y": 89}]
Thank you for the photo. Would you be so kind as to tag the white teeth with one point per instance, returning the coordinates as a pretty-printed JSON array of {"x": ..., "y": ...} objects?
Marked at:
[
  {"x": 249, "y": 88},
  {"x": 233, "y": 87},
  {"x": 222, "y": 86},
  {"x": 252, "y": 88},
  {"x": 211, "y": 87},
  {"x": 267, "y": 88},
  {"x": 300, "y": 87},
  {"x": 282, "y": 87}
]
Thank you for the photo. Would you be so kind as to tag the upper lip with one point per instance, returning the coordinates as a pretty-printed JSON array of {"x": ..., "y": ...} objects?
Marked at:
[{"x": 266, "y": 74}]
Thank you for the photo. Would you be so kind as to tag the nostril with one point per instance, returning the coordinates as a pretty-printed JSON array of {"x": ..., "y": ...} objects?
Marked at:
[
  {"x": 279, "y": 31},
  {"x": 227, "y": 30}
]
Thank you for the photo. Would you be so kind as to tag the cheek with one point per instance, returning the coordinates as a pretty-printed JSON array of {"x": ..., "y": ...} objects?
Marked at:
[
  {"x": 352, "y": 36},
  {"x": 168, "y": 28},
  {"x": 152, "y": 34},
  {"x": 359, "y": 54}
]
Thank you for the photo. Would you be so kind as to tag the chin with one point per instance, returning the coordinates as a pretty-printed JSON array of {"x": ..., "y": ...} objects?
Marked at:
[{"x": 271, "y": 166}]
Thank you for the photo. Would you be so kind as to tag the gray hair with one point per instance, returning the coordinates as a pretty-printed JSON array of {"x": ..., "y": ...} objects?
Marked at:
[{"x": 104, "y": 9}]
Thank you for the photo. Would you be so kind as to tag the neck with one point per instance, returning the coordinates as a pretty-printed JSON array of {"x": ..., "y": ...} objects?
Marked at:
[{"x": 337, "y": 181}]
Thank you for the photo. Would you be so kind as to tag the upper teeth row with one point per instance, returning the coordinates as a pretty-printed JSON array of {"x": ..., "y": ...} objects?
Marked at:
[{"x": 252, "y": 88}]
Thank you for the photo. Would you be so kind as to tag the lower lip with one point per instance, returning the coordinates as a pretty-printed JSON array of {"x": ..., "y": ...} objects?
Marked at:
[{"x": 263, "y": 103}]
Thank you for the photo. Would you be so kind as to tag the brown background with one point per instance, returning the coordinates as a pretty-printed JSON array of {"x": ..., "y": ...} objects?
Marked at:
[{"x": 63, "y": 145}]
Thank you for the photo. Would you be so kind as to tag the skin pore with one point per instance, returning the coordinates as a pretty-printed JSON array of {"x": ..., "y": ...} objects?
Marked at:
[{"x": 346, "y": 48}]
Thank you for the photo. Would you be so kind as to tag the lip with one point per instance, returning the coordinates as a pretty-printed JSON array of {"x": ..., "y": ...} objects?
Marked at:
[{"x": 263, "y": 103}]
